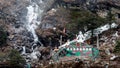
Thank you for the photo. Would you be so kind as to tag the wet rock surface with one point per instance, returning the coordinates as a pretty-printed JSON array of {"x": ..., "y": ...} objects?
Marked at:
[
  {"x": 49, "y": 33},
  {"x": 15, "y": 20}
]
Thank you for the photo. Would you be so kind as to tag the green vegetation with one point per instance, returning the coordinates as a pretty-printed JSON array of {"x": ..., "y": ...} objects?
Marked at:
[
  {"x": 84, "y": 20},
  {"x": 16, "y": 60},
  {"x": 111, "y": 18},
  {"x": 3, "y": 36},
  {"x": 117, "y": 47}
]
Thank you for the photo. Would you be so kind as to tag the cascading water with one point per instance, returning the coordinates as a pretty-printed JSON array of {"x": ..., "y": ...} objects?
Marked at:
[
  {"x": 33, "y": 19},
  {"x": 35, "y": 11},
  {"x": 24, "y": 50}
]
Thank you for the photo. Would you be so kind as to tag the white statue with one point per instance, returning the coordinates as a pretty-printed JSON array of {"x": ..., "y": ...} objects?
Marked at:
[{"x": 80, "y": 37}]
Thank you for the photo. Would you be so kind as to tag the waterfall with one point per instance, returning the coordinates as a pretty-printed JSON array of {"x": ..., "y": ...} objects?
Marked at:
[
  {"x": 35, "y": 11},
  {"x": 33, "y": 17},
  {"x": 24, "y": 50}
]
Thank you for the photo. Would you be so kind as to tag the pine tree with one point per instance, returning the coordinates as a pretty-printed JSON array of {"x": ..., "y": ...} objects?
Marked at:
[
  {"x": 16, "y": 60},
  {"x": 3, "y": 36},
  {"x": 84, "y": 21},
  {"x": 117, "y": 47}
]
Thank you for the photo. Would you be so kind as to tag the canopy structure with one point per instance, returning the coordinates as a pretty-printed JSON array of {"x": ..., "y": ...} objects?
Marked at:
[{"x": 78, "y": 50}]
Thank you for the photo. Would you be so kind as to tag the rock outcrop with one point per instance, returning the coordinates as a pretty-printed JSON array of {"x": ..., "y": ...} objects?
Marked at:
[{"x": 52, "y": 28}]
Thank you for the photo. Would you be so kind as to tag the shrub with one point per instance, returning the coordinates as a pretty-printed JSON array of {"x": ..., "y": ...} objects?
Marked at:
[
  {"x": 16, "y": 60},
  {"x": 84, "y": 21},
  {"x": 3, "y": 36},
  {"x": 117, "y": 47}
]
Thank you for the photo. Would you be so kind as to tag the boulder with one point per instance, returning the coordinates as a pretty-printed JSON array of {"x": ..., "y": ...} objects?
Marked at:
[{"x": 11, "y": 37}]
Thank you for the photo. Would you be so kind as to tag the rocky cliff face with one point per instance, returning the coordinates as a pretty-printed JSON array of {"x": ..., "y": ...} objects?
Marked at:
[
  {"x": 20, "y": 18},
  {"x": 16, "y": 12},
  {"x": 88, "y": 2},
  {"x": 50, "y": 26}
]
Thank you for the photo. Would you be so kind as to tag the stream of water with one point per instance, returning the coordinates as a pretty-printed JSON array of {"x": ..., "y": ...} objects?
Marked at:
[
  {"x": 35, "y": 11},
  {"x": 33, "y": 17}
]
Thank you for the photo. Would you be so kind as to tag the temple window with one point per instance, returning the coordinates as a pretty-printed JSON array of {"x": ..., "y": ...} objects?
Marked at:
[
  {"x": 83, "y": 48},
  {"x": 90, "y": 49},
  {"x": 71, "y": 49},
  {"x": 86, "y": 49},
  {"x": 68, "y": 48},
  {"x": 77, "y": 48},
  {"x": 80, "y": 49}
]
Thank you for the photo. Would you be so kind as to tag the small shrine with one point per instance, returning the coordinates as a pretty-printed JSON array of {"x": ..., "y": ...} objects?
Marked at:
[{"x": 78, "y": 50}]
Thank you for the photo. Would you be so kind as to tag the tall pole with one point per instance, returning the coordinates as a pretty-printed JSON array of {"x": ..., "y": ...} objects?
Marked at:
[
  {"x": 60, "y": 40},
  {"x": 97, "y": 41}
]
